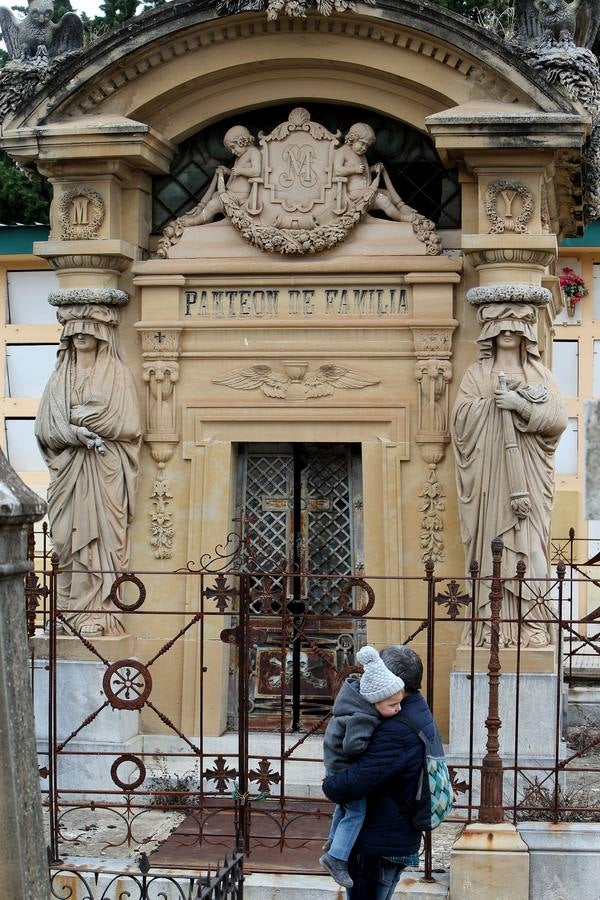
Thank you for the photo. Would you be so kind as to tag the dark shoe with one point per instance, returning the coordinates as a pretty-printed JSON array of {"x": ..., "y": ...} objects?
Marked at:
[{"x": 338, "y": 869}]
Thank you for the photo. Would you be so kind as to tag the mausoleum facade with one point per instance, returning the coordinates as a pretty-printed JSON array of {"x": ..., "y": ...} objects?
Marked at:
[{"x": 275, "y": 224}]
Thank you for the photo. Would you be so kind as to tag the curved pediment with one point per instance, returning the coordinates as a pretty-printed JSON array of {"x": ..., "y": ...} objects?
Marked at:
[{"x": 183, "y": 64}]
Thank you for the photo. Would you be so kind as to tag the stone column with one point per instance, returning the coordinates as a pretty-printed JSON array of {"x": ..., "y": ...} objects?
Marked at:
[{"x": 23, "y": 863}]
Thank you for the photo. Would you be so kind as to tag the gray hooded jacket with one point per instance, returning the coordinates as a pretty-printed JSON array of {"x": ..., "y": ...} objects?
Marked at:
[{"x": 351, "y": 727}]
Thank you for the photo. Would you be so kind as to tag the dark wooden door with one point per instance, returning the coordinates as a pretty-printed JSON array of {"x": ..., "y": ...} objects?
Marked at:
[{"x": 301, "y": 505}]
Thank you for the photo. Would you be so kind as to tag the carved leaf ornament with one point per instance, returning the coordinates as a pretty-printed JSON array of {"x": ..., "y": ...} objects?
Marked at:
[{"x": 290, "y": 241}]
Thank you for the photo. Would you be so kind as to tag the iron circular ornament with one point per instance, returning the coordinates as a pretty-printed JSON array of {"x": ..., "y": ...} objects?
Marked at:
[
  {"x": 128, "y": 758},
  {"x": 345, "y": 597},
  {"x": 114, "y": 592},
  {"x": 127, "y": 684}
]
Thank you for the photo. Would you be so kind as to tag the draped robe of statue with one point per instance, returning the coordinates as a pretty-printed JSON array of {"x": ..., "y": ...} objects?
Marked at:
[
  {"x": 90, "y": 496},
  {"x": 483, "y": 478}
]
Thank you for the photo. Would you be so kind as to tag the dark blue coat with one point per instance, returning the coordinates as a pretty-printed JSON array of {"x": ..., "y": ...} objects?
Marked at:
[{"x": 391, "y": 763}]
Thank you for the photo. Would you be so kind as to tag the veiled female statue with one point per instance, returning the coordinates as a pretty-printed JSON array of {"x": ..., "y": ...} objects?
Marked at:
[
  {"x": 89, "y": 433},
  {"x": 506, "y": 423}
]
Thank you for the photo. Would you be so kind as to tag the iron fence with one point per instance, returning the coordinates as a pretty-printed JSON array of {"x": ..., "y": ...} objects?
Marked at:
[
  {"x": 114, "y": 883},
  {"x": 245, "y": 776}
]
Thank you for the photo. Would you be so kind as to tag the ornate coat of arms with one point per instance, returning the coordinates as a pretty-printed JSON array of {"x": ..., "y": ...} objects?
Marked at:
[{"x": 302, "y": 192}]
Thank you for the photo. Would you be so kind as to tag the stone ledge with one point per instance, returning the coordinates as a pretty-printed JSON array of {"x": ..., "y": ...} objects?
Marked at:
[{"x": 70, "y": 647}]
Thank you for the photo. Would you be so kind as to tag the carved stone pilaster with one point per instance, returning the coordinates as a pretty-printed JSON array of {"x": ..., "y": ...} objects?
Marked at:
[
  {"x": 433, "y": 376},
  {"x": 433, "y": 373},
  {"x": 161, "y": 347},
  {"x": 161, "y": 377}
]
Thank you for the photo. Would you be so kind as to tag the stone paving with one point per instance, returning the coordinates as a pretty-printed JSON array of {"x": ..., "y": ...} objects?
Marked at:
[{"x": 87, "y": 835}]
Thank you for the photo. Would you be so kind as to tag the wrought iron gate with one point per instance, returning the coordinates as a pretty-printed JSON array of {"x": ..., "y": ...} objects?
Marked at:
[{"x": 302, "y": 508}]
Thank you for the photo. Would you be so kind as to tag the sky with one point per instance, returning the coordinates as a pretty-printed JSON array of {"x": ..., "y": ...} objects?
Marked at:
[{"x": 91, "y": 7}]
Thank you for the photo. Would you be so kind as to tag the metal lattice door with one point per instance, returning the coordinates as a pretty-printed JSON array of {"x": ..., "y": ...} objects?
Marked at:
[{"x": 302, "y": 505}]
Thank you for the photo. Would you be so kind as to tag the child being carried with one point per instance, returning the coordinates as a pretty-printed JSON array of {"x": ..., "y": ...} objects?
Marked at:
[{"x": 358, "y": 709}]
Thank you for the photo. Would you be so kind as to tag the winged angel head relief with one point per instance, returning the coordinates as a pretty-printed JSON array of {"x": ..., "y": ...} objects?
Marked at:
[
  {"x": 301, "y": 190},
  {"x": 297, "y": 383},
  {"x": 36, "y": 38}
]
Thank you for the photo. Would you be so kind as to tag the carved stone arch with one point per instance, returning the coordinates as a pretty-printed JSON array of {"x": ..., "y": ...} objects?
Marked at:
[{"x": 164, "y": 72}]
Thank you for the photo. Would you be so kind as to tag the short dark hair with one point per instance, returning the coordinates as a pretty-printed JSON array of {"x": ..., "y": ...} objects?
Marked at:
[{"x": 405, "y": 663}]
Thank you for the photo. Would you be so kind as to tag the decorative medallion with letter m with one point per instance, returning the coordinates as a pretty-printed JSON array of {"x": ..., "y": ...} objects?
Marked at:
[{"x": 301, "y": 505}]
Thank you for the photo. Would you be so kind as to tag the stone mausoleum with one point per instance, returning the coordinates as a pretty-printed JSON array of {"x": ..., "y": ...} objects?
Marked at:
[{"x": 287, "y": 232}]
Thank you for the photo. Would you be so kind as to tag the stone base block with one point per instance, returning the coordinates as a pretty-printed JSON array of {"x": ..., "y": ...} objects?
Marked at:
[
  {"x": 70, "y": 647},
  {"x": 536, "y": 719},
  {"x": 564, "y": 859},
  {"x": 584, "y": 705},
  {"x": 532, "y": 659},
  {"x": 85, "y": 768},
  {"x": 489, "y": 862},
  {"x": 79, "y": 695}
]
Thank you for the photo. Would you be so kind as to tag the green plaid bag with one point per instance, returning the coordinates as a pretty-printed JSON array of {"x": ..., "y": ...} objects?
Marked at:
[{"x": 433, "y": 801}]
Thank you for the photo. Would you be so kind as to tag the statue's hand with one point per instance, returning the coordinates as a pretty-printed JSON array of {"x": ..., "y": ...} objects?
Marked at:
[
  {"x": 508, "y": 400},
  {"x": 521, "y": 506},
  {"x": 90, "y": 439}
]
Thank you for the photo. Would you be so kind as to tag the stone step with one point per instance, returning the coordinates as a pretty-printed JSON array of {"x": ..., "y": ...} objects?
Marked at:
[
  {"x": 318, "y": 887},
  {"x": 99, "y": 875}
]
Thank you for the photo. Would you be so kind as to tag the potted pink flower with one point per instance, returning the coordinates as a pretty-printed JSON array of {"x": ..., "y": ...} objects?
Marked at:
[{"x": 573, "y": 288}]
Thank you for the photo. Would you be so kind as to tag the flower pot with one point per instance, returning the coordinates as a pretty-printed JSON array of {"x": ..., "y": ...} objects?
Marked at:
[{"x": 571, "y": 305}]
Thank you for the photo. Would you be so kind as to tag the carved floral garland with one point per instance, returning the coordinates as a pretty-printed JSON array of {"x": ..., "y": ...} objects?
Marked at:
[
  {"x": 162, "y": 533},
  {"x": 500, "y": 225},
  {"x": 72, "y": 232},
  {"x": 295, "y": 241},
  {"x": 432, "y": 522}
]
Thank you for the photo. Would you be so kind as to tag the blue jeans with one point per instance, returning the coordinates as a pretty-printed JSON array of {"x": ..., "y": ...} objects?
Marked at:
[
  {"x": 374, "y": 877},
  {"x": 345, "y": 827}
]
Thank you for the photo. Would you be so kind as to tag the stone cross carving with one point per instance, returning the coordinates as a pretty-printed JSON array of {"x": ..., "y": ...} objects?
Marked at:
[
  {"x": 89, "y": 433},
  {"x": 302, "y": 191},
  {"x": 506, "y": 423}
]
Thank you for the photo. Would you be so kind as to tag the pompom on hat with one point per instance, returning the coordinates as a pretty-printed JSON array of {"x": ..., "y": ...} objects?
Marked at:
[{"x": 377, "y": 682}]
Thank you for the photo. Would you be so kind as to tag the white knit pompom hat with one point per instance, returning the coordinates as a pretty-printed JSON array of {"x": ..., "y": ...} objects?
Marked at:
[{"x": 377, "y": 682}]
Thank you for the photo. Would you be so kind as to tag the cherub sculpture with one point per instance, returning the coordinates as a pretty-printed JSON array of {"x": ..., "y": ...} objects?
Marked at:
[
  {"x": 36, "y": 38},
  {"x": 350, "y": 161},
  {"x": 551, "y": 22}
]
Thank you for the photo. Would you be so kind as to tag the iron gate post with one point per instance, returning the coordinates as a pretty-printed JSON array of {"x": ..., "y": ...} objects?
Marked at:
[
  {"x": 491, "y": 810},
  {"x": 242, "y": 838}
]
